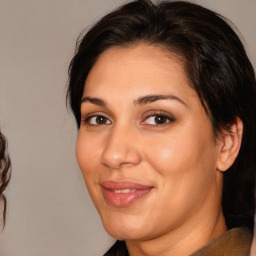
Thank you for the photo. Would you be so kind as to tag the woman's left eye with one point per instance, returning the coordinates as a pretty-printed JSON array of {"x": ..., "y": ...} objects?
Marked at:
[
  {"x": 97, "y": 120},
  {"x": 157, "y": 120}
]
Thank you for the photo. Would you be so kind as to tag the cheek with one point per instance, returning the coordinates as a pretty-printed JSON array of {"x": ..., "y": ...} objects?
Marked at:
[
  {"x": 86, "y": 153},
  {"x": 184, "y": 168},
  {"x": 169, "y": 154},
  {"x": 187, "y": 157}
]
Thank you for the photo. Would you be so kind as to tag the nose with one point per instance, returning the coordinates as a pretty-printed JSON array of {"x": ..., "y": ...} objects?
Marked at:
[{"x": 121, "y": 149}]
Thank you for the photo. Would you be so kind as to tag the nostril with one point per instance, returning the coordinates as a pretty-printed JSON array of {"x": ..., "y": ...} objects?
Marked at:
[
  {"x": 121, "y": 148},
  {"x": 127, "y": 165},
  {"x": 120, "y": 157}
]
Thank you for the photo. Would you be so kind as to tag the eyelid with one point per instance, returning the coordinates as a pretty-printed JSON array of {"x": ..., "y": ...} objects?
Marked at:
[
  {"x": 152, "y": 113},
  {"x": 85, "y": 118}
]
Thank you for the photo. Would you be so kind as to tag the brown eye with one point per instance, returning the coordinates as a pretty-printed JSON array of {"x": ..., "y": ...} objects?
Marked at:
[
  {"x": 158, "y": 119},
  {"x": 101, "y": 120},
  {"x": 97, "y": 120}
]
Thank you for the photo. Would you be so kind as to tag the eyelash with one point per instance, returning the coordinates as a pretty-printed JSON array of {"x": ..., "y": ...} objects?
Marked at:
[
  {"x": 88, "y": 118},
  {"x": 167, "y": 118}
]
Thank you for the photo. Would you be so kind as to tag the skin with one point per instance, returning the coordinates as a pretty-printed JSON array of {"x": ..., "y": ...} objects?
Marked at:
[{"x": 180, "y": 157}]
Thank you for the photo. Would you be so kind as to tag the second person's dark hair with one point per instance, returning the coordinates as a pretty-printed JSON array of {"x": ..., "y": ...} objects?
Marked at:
[{"x": 5, "y": 172}]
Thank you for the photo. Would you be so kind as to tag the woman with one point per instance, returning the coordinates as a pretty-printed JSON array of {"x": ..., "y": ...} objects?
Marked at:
[
  {"x": 5, "y": 165},
  {"x": 164, "y": 98}
]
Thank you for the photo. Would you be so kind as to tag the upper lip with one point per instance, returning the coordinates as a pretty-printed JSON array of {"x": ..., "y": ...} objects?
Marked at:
[{"x": 120, "y": 185}]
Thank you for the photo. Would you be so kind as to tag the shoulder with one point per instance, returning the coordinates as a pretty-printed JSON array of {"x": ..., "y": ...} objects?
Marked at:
[{"x": 235, "y": 242}]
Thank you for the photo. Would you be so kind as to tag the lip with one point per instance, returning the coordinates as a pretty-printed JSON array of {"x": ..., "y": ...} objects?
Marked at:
[{"x": 124, "y": 193}]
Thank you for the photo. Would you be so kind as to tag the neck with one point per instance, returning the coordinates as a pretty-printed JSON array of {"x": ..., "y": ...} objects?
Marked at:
[{"x": 182, "y": 241}]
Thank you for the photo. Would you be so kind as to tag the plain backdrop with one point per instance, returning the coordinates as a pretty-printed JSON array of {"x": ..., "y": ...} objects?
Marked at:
[{"x": 49, "y": 210}]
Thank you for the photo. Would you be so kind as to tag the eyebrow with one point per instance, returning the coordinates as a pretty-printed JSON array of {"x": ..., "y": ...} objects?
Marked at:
[
  {"x": 140, "y": 101},
  {"x": 95, "y": 101},
  {"x": 152, "y": 98}
]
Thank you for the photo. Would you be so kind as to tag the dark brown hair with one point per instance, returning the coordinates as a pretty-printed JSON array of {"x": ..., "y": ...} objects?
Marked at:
[
  {"x": 216, "y": 65},
  {"x": 5, "y": 172}
]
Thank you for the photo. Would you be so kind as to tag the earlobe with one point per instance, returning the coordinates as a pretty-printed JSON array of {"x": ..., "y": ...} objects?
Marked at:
[{"x": 230, "y": 143}]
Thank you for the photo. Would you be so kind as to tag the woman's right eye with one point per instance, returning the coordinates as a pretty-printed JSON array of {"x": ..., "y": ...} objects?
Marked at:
[{"x": 97, "y": 120}]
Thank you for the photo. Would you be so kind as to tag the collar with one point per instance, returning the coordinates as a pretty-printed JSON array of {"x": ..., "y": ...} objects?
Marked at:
[{"x": 234, "y": 242}]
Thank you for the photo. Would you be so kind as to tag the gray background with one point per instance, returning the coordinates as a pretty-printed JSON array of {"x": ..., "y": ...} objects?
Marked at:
[{"x": 49, "y": 210}]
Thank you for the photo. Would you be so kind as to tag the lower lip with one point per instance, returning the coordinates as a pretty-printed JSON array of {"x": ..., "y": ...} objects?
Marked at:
[{"x": 124, "y": 199}]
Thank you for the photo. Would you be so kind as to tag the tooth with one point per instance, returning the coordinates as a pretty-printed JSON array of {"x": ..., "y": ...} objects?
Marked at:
[{"x": 123, "y": 191}]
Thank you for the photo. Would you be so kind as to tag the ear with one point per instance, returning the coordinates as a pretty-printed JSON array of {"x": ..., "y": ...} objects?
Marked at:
[{"x": 230, "y": 143}]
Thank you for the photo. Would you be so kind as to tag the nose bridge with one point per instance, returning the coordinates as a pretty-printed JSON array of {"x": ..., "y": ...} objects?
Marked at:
[{"x": 121, "y": 148}]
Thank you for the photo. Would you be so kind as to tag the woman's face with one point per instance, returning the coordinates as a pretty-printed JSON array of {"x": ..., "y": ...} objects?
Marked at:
[{"x": 145, "y": 146}]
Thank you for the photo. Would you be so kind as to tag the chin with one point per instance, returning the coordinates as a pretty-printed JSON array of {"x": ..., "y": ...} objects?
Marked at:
[
  {"x": 125, "y": 227},
  {"x": 124, "y": 234}
]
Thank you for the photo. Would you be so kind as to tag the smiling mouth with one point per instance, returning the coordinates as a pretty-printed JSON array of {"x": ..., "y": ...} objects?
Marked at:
[{"x": 123, "y": 193}]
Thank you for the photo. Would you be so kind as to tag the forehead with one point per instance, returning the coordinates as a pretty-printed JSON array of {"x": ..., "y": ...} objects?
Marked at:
[{"x": 135, "y": 70}]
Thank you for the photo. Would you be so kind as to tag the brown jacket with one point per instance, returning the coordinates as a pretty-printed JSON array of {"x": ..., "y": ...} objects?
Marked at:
[{"x": 234, "y": 242}]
